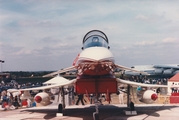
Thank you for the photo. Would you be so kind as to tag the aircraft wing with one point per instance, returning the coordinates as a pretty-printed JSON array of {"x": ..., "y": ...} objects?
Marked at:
[
  {"x": 138, "y": 84},
  {"x": 70, "y": 82},
  {"x": 167, "y": 66},
  {"x": 60, "y": 71},
  {"x": 126, "y": 68}
]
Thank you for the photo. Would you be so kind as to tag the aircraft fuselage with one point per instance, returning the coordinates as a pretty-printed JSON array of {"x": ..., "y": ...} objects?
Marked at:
[{"x": 95, "y": 65}]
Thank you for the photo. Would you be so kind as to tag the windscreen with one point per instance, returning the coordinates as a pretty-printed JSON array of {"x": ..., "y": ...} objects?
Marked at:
[{"x": 95, "y": 38}]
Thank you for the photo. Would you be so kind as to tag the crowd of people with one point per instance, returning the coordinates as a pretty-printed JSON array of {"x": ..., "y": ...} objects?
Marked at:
[
  {"x": 144, "y": 79},
  {"x": 174, "y": 89},
  {"x": 10, "y": 100}
]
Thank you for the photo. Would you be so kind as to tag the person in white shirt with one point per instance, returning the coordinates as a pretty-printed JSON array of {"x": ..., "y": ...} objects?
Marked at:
[{"x": 121, "y": 95}]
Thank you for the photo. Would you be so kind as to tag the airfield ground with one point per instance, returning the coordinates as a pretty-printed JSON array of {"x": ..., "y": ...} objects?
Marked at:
[
  {"x": 160, "y": 110},
  {"x": 106, "y": 112}
]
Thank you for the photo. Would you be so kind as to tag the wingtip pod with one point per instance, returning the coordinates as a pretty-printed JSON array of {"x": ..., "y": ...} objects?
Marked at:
[
  {"x": 42, "y": 99},
  {"x": 38, "y": 99},
  {"x": 154, "y": 96},
  {"x": 148, "y": 97}
]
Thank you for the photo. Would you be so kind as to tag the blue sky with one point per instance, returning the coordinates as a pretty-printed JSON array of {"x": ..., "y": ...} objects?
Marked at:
[{"x": 47, "y": 34}]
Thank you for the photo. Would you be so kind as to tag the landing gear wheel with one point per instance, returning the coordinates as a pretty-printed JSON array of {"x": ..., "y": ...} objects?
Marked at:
[
  {"x": 60, "y": 108},
  {"x": 95, "y": 116}
]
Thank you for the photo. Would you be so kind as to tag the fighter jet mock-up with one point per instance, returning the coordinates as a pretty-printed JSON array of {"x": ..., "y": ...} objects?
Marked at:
[{"x": 95, "y": 67}]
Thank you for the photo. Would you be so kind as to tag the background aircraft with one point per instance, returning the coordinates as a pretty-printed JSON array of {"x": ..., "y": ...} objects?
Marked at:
[{"x": 154, "y": 71}]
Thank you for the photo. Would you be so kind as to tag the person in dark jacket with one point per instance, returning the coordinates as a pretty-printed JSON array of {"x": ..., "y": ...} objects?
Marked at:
[
  {"x": 80, "y": 98},
  {"x": 16, "y": 103}
]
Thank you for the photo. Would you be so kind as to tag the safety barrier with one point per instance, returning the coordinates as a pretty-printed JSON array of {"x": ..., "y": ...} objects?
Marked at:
[{"x": 174, "y": 98}]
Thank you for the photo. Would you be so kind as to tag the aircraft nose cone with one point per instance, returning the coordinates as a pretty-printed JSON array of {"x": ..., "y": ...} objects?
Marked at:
[
  {"x": 154, "y": 97},
  {"x": 95, "y": 54},
  {"x": 38, "y": 99}
]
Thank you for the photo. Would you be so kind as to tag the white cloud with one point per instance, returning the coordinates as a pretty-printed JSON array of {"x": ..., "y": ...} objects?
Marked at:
[
  {"x": 169, "y": 10},
  {"x": 141, "y": 17},
  {"x": 23, "y": 52},
  {"x": 46, "y": 31},
  {"x": 170, "y": 40},
  {"x": 145, "y": 43},
  {"x": 3, "y": 18}
]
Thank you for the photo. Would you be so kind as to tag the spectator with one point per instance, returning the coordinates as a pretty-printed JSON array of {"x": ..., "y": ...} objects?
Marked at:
[
  {"x": 121, "y": 95},
  {"x": 16, "y": 103},
  {"x": 80, "y": 98},
  {"x": 132, "y": 105},
  {"x": 34, "y": 104},
  {"x": 158, "y": 90},
  {"x": 91, "y": 98},
  {"x": 175, "y": 90},
  {"x": 103, "y": 96},
  {"x": 29, "y": 102}
]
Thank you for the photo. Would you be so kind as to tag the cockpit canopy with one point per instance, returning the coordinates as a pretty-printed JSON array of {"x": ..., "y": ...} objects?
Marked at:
[{"x": 95, "y": 38}]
